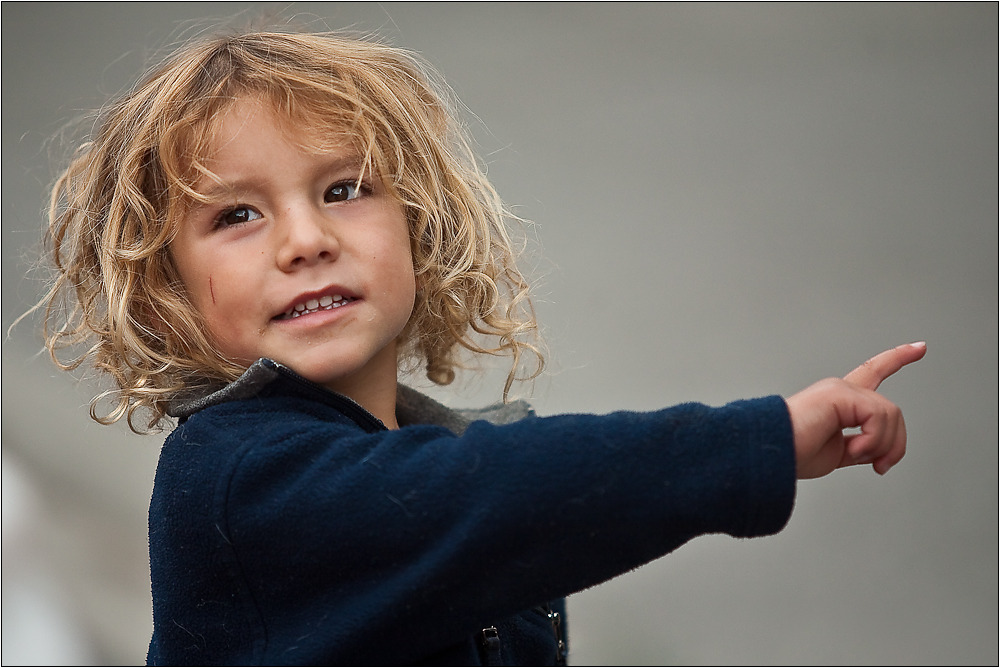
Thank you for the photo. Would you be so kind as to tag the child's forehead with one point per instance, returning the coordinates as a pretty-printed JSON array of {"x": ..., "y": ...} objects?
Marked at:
[
  {"x": 226, "y": 151},
  {"x": 233, "y": 136},
  {"x": 246, "y": 118}
]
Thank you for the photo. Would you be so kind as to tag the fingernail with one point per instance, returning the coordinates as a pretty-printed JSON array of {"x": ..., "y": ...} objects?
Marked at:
[{"x": 919, "y": 344}]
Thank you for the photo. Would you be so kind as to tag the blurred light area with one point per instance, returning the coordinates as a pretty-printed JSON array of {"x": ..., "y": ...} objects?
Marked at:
[{"x": 38, "y": 630}]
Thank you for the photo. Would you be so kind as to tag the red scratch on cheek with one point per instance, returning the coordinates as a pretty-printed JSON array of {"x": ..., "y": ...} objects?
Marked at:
[{"x": 211, "y": 289}]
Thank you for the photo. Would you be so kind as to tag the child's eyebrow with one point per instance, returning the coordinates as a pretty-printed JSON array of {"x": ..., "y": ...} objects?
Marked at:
[
  {"x": 336, "y": 164},
  {"x": 228, "y": 190}
]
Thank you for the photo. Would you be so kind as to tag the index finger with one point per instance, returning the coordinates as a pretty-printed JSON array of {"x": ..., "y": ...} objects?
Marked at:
[{"x": 871, "y": 374}]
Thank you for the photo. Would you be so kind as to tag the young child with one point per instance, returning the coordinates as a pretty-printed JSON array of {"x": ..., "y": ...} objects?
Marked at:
[{"x": 255, "y": 241}]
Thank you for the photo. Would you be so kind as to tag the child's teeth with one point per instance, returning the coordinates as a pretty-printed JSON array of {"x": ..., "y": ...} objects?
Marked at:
[{"x": 313, "y": 305}]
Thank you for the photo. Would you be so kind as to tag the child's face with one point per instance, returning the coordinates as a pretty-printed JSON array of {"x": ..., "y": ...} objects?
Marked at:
[{"x": 292, "y": 261}]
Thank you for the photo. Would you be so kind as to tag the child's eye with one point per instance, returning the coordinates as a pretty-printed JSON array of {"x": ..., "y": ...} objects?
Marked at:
[
  {"x": 342, "y": 192},
  {"x": 237, "y": 216}
]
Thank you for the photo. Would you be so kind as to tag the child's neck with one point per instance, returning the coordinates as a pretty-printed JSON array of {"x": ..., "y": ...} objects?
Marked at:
[
  {"x": 375, "y": 391},
  {"x": 382, "y": 404}
]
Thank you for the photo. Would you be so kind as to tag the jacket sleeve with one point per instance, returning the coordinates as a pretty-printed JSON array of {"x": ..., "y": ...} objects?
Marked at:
[{"x": 406, "y": 539}]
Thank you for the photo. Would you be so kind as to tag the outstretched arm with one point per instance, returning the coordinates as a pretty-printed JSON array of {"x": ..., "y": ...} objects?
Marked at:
[{"x": 822, "y": 411}]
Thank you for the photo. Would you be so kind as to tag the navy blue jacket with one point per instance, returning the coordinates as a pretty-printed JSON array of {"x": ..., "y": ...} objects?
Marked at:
[{"x": 289, "y": 526}]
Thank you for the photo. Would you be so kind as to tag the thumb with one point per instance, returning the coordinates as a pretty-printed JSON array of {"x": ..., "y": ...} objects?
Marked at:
[{"x": 871, "y": 374}]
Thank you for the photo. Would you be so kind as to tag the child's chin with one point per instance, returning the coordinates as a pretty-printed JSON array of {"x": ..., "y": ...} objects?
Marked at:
[{"x": 329, "y": 375}]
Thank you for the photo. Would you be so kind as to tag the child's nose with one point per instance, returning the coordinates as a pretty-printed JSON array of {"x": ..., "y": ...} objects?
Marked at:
[{"x": 307, "y": 238}]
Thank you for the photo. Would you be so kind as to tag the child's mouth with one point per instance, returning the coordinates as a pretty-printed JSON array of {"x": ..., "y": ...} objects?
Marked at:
[{"x": 324, "y": 303}]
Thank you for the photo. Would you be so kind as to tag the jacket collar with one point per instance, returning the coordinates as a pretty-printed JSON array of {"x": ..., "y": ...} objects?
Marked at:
[{"x": 412, "y": 407}]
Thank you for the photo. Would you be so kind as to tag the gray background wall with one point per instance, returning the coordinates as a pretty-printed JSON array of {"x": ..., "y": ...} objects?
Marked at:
[{"x": 731, "y": 200}]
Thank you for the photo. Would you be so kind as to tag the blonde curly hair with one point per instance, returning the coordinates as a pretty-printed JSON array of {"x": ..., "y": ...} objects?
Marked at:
[{"x": 115, "y": 210}]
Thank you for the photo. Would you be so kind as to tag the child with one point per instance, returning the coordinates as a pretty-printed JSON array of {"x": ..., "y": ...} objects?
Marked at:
[{"x": 257, "y": 239}]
